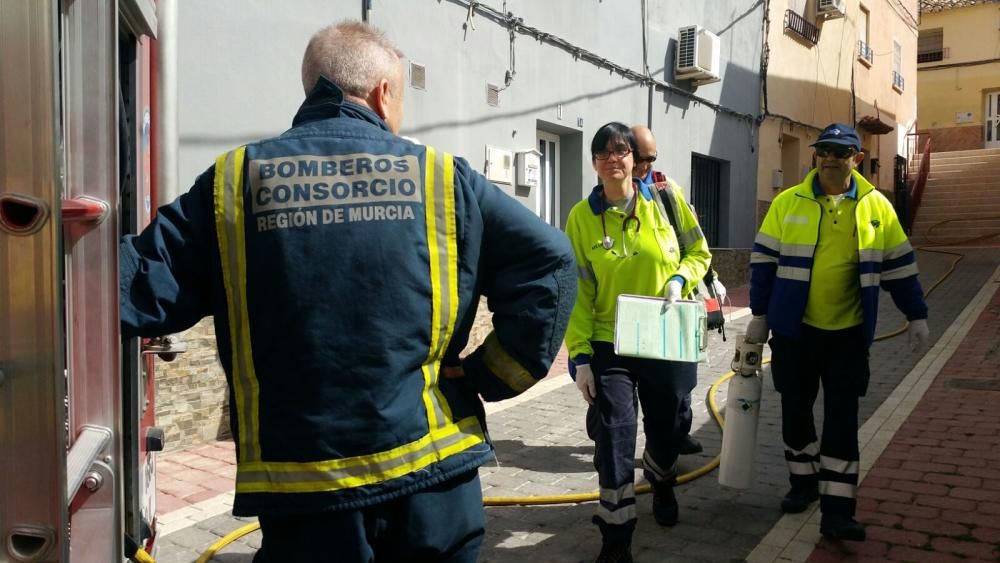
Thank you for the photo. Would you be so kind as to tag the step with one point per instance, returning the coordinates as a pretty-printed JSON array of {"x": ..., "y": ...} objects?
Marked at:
[
  {"x": 964, "y": 177},
  {"x": 990, "y": 167},
  {"x": 985, "y": 225},
  {"x": 952, "y": 231},
  {"x": 948, "y": 211},
  {"x": 954, "y": 192},
  {"x": 961, "y": 184},
  {"x": 965, "y": 153}
]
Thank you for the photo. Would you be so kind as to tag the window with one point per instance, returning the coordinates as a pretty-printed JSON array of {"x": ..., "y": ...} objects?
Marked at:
[
  {"x": 865, "y": 54},
  {"x": 897, "y": 66},
  {"x": 930, "y": 45}
]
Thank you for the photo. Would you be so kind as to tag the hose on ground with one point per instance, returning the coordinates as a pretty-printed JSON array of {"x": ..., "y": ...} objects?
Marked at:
[{"x": 577, "y": 498}]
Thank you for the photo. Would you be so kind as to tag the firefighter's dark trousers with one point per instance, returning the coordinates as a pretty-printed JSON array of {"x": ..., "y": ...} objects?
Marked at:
[
  {"x": 622, "y": 385},
  {"x": 444, "y": 523},
  {"x": 839, "y": 360}
]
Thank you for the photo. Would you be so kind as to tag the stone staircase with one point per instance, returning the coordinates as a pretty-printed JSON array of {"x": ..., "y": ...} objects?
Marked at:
[{"x": 964, "y": 189}]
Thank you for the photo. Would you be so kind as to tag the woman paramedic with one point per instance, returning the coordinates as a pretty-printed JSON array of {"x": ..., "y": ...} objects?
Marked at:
[{"x": 624, "y": 244}]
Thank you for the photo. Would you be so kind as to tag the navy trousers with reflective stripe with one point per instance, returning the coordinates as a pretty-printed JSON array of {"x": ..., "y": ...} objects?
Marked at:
[
  {"x": 622, "y": 385},
  {"x": 441, "y": 524},
  {"x": 839, "y": 360}
]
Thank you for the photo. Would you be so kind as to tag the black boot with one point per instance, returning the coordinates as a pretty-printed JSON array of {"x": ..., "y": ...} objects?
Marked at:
[
  {"x": 690, "y": 446},
  {"x": 799, "y": 498},
  {"x": 665, "y": 509},
  {"x": 615, "y": 552},
  {"x": 838, "y": 527},
  {"x": 616, "y": 541}
]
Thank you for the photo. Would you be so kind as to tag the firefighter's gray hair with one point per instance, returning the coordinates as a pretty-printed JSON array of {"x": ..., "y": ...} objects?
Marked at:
[{"x": 354, "y": 55}]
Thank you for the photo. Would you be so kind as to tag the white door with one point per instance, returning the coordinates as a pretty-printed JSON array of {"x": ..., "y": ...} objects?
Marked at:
[
  {"x": 548, "y": 204},
  {"x": 992, "y": 120}
]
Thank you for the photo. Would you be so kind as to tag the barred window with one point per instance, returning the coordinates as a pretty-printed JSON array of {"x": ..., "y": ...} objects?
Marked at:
[{"x": 930, "y": 45}]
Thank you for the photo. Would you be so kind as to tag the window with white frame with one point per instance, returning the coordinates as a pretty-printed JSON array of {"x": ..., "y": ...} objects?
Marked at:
[
  {"x": 897, "y": 66},
  {"x": 865, "y": 53}
]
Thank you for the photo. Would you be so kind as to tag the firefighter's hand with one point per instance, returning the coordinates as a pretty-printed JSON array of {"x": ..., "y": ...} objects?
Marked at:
[
  {"x": 757, "y": 329},
  {"x": 919, "y": 334},
  {"x": 585, "y": 382}
]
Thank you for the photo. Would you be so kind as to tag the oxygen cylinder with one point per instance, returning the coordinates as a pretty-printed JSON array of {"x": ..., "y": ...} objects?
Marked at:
[{"x": 739, "y": 437}]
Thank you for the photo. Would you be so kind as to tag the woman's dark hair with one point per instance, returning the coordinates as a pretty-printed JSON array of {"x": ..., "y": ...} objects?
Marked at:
[{"x": 614, "y": 131}]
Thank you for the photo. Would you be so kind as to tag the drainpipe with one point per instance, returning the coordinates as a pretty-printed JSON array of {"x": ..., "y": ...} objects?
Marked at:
[
  {"x": 645, "y": 66},
  {"x": 366, "y": 11},
  {"x": 166, "y": 106}
]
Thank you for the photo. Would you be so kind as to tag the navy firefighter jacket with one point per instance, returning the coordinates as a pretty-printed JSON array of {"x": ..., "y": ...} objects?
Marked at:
[{"x": 343, "y": 267}]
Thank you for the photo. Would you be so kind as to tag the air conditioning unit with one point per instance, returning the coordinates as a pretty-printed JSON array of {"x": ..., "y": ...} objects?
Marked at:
[
  {"x": 830, "y": 9},
  {"x": 697, "y": 55}
]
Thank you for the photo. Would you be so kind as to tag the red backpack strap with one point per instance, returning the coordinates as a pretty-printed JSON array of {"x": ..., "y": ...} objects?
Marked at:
[{"x": 659, "y": 177}]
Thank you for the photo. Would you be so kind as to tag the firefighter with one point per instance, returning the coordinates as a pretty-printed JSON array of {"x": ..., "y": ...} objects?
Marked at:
[
  {"x": 343, "y": 267},
  {"x": 624, "y": 244},
  {"x": 823, "y": 251}
]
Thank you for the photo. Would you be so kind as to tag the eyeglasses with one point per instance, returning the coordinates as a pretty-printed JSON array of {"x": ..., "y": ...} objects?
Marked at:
[
  {"x": 835, "y": 151},
  {"x": 650, "y": 159},
  {"x": 618, "y": 153}
]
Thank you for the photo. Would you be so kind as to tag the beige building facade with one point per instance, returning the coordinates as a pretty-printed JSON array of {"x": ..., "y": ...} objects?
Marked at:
[
  {"x": 837, "y": 61},
  {"x": 958, "y": 74}
]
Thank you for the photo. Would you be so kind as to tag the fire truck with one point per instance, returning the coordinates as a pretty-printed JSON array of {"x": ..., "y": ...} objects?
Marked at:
[{"x": 77, "y": 170}]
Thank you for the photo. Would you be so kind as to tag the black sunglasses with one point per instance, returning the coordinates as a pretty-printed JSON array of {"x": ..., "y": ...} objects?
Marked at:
[
  {"x": 835, "y": 151},
  {"x": 646, "y": 158}
]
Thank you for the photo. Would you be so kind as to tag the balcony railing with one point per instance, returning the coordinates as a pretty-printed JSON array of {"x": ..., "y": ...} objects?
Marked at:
[
  {"x": 865, "y": 53},
  {"x": 897, "y": 81},
  {"x": 930, "y": 56},
  {"x": 801, "y": 27}
]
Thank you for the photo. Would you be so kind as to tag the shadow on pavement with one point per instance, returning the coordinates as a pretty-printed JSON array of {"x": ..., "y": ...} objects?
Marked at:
[{"x": 545, "y": 458}]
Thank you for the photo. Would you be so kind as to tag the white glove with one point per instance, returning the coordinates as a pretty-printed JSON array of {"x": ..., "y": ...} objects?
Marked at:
[
  {"x": 757, "y": 329},
  {"x": 720, "y": 290},
  {"x": 673, "y": 291},
  {"x": 919, "y": 334},
  {"x": 585, "y": 382}
]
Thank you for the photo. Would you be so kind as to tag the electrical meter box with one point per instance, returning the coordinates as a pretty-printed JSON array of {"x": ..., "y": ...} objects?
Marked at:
[
  {"x": 499, "y": 165},
  {"x": 528, "y": 168}
]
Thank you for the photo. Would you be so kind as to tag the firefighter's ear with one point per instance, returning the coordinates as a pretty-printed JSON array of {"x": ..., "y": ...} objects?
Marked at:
[{"x": 386, "y": 99}]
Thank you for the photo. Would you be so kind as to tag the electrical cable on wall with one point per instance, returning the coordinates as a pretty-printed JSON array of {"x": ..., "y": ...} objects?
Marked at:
[{"x": 518, "y": 25}]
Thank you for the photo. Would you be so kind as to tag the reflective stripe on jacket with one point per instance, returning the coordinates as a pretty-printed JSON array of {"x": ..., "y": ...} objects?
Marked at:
[{"x": 781, "y": 263}]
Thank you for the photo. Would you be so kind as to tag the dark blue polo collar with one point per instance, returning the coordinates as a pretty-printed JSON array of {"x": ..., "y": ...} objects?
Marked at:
[
  {"x": 818, "y": 189},
  {"x": 598, "y": 204}
]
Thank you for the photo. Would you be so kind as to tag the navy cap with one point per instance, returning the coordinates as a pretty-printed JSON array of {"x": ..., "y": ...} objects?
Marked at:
[{"x": 839, "y": 134}]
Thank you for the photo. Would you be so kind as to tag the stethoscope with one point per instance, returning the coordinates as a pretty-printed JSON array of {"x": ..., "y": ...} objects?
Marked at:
[{"x": 609, "y": 242}]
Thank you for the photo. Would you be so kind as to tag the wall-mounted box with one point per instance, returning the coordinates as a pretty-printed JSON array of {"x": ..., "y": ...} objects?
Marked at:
[
  {"x": 777, "y": 178},
  {"x": 499, "y": 165},
  {"x": 527, "y": 168}
]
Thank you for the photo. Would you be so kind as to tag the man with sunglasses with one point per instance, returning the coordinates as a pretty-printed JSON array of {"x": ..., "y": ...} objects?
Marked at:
[
  {"x": 647, "y": 176},
  {"x": 824, "y": 250}
]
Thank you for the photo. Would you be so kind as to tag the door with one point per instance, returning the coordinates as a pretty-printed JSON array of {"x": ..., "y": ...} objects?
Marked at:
[
  {"x": 706, "y": 195},
  {"x": 548, "y": 193},
  {"x": 992, "y": 121}
]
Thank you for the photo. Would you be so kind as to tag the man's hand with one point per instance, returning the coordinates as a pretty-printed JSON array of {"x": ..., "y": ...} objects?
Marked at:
[
  {"x": 585, "y": 382},
  {"x": 673, "y": 290},
  {"x": 757, "y": 329},
  {"x": 919, "y": 334}
]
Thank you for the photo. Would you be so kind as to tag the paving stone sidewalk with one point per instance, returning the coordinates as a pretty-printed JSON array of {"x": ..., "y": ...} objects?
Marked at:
[{"x": 542, "y": 449}]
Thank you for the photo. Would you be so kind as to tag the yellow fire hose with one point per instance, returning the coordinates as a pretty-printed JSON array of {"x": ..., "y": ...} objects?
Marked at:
[{"x": 577, "y": 498}]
